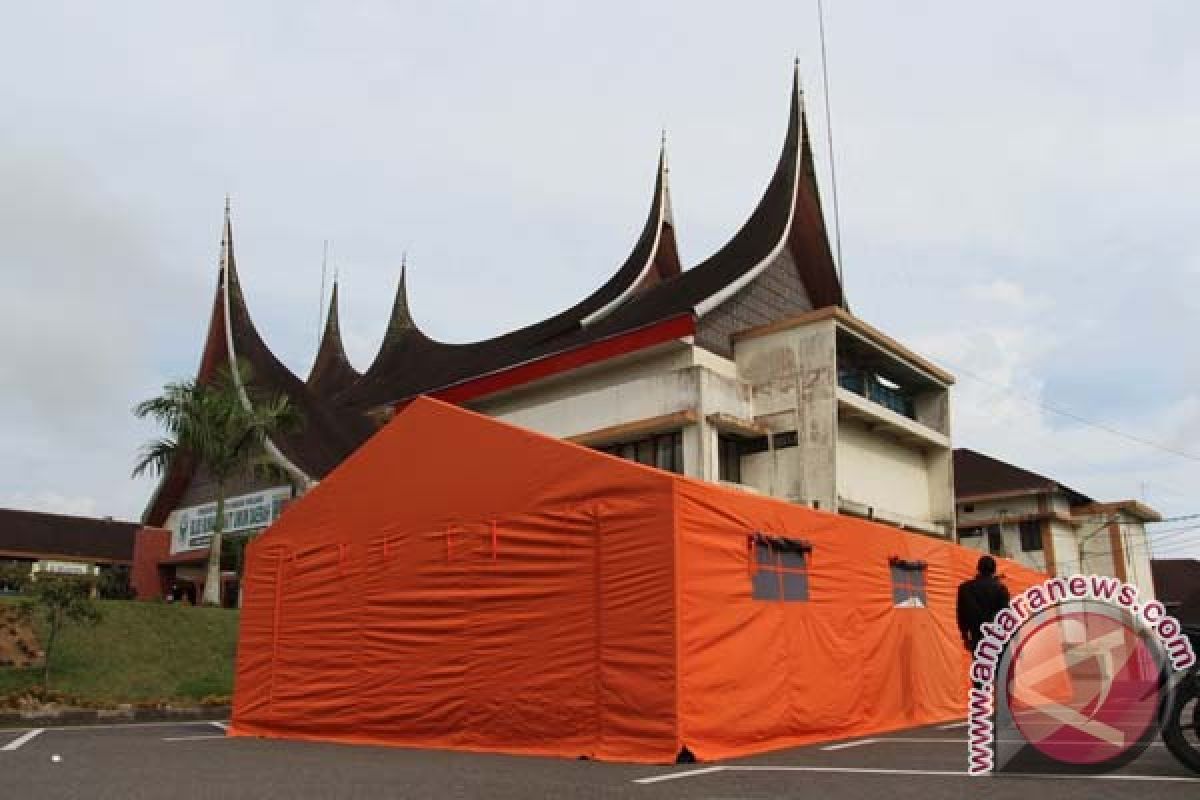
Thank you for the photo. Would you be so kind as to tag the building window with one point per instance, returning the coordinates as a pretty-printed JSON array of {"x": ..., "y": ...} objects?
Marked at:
[
  {"x": 968, "y": 508},
  {"x": 729, "y": 459},
  {"x": 995, "y": 539},
  {"x": 1031, "y": 535},
  {"x": 778, "y": 568},
  {"x": 758, "y": 444},
  {"x": 664, "y": 451},
  {"x": 877, "y": 389},
  {"x": 970, "y": 533},
  {"x": 908, "y": 583}
]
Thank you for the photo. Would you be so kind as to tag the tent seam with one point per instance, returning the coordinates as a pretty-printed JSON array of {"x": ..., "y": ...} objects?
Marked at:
[{"x": 677, "y": 622}]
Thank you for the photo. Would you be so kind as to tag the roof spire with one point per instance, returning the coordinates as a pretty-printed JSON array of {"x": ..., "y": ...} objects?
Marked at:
[
  {"x": 331, "y": 371},
  {"x": 664, "y": 172},
  {"x": 402, "y": 319}
]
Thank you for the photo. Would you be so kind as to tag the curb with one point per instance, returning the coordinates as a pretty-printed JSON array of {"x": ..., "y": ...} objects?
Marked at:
[{"x": 104, "y": 716}]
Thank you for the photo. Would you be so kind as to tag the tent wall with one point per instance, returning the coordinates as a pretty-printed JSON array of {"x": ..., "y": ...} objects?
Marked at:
[
  {"x": 460, "y": 583},
  {"x": 760, "y": 674}
]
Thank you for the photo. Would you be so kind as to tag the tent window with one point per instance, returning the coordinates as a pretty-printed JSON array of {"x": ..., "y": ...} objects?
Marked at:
[
  {"x": 908, "y": 583},
  {"x": 664, "y": 451},
  {"x": 779, "y": 569}
]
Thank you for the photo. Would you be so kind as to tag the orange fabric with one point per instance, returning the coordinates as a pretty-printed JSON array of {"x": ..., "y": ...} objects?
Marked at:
[
  {"x": 759, "y": 675},
  {"x": 499, "y": 591},
  {"x": 462, "y": 583}
]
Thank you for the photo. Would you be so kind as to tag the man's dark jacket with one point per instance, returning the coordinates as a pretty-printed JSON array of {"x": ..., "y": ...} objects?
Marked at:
[{"x": 979, "y": 601}]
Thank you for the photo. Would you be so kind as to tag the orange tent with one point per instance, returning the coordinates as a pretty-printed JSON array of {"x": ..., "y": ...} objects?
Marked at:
[{"x": 463, "y": 583}]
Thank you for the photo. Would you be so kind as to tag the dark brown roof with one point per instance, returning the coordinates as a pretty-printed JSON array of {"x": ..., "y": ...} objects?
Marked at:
[
  {"x": 649, "y": 288},
  {"x": 331, "y": 371},
  {"x": 48, "y": 535},
  {"x": 1177, "y": 580},
  {"x": 326, "y": 436},
  {"x": 976, "y": 474},
  {"x": 411, "y": 363}
]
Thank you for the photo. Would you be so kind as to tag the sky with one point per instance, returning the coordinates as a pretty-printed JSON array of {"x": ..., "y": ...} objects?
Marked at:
[{"x": 1016, "y": 185}]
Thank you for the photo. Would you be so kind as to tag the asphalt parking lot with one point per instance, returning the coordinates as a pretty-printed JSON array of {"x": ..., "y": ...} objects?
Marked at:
[{"x": 196, "y": 760}]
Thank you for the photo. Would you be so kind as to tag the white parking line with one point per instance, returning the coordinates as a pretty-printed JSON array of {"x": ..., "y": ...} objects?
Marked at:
[
  {"x": 220, "y": 725},
  {"x": 22, "y": 739},
  {"x": 953, "y": 725},
  {"x": 915, "y": 772},
  {"x": 933, "y": 740},
  {"x": 186, "y": 723},
  {"x": 848, "y": 745},
  {"x": 670, "y": 776}
]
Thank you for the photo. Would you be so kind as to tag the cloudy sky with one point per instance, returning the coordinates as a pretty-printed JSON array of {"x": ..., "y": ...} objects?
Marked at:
[{"x": 1017, "y": 185}]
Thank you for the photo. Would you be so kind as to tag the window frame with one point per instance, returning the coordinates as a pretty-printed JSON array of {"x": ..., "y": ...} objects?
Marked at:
[
  {"x": 798, "y": 590},
  {"x": 907, "y": 590},
  {"x": 664, "y": 451}
]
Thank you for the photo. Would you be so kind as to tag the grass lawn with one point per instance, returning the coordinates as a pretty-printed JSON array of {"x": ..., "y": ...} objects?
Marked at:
[{"x": 140, "y": 652}]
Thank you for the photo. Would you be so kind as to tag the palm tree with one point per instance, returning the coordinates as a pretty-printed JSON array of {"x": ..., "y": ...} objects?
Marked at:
[{"x": 210, "y": 424}]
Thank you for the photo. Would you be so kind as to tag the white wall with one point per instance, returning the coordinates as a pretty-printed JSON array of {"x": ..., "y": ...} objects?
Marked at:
[{"x": 878, "y": 471}]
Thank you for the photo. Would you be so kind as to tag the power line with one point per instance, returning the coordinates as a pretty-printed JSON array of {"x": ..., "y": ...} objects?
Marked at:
[
  {"x": 1183, "y": 518},
  {"x": 1176, "y": 538},
  {"x": 1073, "y": 416}
]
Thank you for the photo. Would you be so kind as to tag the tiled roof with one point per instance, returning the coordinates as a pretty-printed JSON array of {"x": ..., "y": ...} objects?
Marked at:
[{"x": 47, "y": 535}]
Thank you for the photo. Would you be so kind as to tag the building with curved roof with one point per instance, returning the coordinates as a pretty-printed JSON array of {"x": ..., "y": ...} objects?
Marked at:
[{"x": 746, "y": 368}]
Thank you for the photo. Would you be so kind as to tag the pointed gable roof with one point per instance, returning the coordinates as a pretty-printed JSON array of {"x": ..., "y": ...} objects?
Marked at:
[
  {"x": 649, "y": 289},
  {"x": 331, "y": 371},
  {"x": 409, "y": 362},
  {"x": 325, "y": 438}
]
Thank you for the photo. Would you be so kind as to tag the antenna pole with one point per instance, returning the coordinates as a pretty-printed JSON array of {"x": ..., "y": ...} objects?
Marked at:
[
  {"x": 321, "y": 309},
  {"x": 837, "y": 216}
]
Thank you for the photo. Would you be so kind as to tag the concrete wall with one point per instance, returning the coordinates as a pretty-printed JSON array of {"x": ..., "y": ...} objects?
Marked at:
[
  {"x": 794, "y": 378},
  {"x": 687, "y": 378},
  {"x": 877, "y": 471}
]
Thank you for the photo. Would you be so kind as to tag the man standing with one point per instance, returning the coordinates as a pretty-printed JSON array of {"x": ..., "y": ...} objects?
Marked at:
[{"x": 979, "y": 601}]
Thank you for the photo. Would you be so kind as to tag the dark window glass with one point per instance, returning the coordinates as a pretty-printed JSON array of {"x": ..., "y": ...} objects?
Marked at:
[
  {"x": 970, "y": 533},
  {"x": 995, "y": 539},
  {"x": 729, "y": 456},
  {"x": 876, "y": 389},
  {"x": 664, "y": 451},
  {"x": 785, "y": 439},
  {"x": 779, "y": 568},
  {"x": 1031, "y": 535},
  {"x": 756, "y": 445},
  {"x": 908, "y": 583}
]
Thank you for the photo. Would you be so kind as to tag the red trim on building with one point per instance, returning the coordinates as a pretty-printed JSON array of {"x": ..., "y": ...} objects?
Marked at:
[
  {"x": 672, "y": 328},
  {"x": 150, "y": 546}
]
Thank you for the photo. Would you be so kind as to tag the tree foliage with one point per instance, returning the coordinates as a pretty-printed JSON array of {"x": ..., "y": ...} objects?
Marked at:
[
  {"x": 58, "y": 601},
  {"x": 221, "y": 426}
]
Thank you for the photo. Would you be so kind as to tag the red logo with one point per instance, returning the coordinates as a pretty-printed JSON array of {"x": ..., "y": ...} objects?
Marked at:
[{"x": 1084, "y": 687}]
